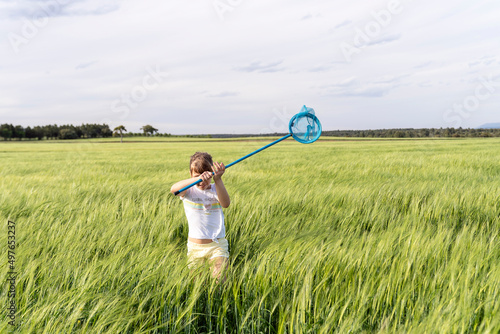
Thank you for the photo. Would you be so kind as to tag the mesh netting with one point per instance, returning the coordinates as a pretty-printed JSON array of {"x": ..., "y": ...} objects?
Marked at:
[{"x": 305, "y": 126}]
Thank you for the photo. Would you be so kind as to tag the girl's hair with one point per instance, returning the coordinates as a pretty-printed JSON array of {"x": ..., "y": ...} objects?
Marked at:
[{"x": 200, "y": 162}]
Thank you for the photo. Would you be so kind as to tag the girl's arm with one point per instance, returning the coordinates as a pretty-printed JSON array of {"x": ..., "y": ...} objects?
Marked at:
[
  {"x": 181, "y": 184},
  {"x": 222, "y": 193},
  {"x": 219, "y": 170}
]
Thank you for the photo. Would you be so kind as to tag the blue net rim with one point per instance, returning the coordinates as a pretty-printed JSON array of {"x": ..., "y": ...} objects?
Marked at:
[{"x": 316, "y": 121}]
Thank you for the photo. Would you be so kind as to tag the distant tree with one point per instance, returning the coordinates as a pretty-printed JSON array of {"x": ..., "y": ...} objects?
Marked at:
[
  {"x": 85, "y": 130},
  {"x": 90, "y": 130},
  {"x": 148, "y": 130},
  {"x": 67, "y": 133},
  {"x": 106, "y": 131},
  {"x": 30, "y": 133},
  {"x": 485, "y": 134},
  {"x": 120, "y": 129},
  {"x": 95, "y": 130},
  {"x": 51, "y": 131},
  {"x": 79, "y": 131},
  {"x": 38, "y": 130},
  {"x": 6, "y": 131},
  {"x": 18, "y": 132}
]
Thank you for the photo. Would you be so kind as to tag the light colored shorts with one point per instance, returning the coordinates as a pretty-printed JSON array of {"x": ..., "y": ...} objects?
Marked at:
[{"x": 198, "y": 253}]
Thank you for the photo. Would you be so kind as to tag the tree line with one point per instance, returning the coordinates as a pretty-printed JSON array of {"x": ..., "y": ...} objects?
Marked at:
[
  {"x": 415, "y": 133},
  {"x": 391, "y": 133},
  {"x": 17, "y": 132},
  {"x": 54, "y": 131}
]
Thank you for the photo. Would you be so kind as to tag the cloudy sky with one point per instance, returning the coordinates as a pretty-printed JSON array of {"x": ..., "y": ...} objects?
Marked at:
[{"x": 246, "y": 66}]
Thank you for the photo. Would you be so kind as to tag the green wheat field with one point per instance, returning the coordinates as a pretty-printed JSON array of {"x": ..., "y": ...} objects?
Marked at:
[{"x": 360, "y": 236}]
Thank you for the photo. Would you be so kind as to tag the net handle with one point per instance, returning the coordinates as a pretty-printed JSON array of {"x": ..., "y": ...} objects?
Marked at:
[{"x": 235, "y": 162}]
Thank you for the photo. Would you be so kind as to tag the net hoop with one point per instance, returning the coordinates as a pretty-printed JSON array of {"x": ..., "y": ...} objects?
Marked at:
[{"x": 310, "y": 126}]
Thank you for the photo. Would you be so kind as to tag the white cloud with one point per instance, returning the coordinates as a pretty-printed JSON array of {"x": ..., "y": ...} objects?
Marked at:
[
  {"x": 258, "y": 66},
  {"x": 36, "y": 9}
]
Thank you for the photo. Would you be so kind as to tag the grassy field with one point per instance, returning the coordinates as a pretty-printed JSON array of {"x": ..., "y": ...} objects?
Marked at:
[{"x": 337, "y": 236}]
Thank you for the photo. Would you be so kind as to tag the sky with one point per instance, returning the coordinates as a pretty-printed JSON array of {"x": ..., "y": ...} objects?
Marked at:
[{"x": 241, "y": 66}]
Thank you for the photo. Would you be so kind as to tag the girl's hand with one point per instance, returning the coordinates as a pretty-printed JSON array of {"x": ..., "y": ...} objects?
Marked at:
[
  {"x": 218, "y": 169},
  {"x": 206, "y": 176}
]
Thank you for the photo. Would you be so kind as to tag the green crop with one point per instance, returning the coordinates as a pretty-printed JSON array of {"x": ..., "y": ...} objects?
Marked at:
[{"x": 333, "y": 237}]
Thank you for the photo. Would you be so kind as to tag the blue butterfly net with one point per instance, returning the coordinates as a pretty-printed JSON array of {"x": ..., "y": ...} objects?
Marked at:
[{"x": 305, "y": 126}]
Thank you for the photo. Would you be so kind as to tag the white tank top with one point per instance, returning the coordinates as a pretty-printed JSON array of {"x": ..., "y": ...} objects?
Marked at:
[{"x": 204, "y": 213}]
